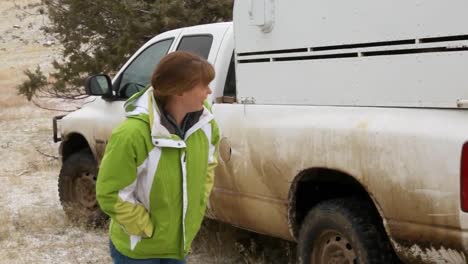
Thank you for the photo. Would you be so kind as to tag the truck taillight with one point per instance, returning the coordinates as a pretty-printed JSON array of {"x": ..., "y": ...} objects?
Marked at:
[{"x": 464, "y": 178}]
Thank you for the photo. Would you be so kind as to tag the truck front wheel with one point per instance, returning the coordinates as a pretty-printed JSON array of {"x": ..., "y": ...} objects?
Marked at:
[
  {"x": 343, "y": 231},
  {"x": 77, "y": 189}
]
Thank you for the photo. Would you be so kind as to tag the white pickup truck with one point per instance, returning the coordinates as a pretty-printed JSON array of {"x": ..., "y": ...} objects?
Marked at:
[{"x": 343, "y": 125}]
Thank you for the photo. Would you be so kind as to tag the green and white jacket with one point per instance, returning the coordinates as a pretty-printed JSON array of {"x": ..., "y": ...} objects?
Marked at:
[{"x": 155, "y": 185}]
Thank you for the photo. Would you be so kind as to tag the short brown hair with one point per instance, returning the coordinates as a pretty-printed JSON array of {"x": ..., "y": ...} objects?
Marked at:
[{"x": 178, "y": 72}]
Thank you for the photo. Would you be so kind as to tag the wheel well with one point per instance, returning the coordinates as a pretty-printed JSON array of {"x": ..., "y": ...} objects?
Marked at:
[
  {"x": 73, "y": 143},
  {"x": 312, "y": 186}
]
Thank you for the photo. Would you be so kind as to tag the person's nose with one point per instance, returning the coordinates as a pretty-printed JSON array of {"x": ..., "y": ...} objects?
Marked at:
[{"x": 209, "y": 91}]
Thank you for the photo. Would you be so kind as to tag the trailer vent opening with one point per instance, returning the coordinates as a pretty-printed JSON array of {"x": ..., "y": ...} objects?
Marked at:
[{"x": 464, "y": 178}]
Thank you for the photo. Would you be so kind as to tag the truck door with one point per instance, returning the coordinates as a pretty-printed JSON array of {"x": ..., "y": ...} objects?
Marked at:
[{"x": 225, "y": 201}]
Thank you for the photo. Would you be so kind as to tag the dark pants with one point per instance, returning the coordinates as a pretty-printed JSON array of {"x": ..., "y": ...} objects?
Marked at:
[{"x": 119, "y": 258}]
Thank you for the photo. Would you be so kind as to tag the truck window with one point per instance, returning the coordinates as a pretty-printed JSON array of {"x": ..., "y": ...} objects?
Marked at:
[
  {"x": 138, "y": 74},
  {"x": 230, "y": 85},
  {"x": 199, "y": 44}
]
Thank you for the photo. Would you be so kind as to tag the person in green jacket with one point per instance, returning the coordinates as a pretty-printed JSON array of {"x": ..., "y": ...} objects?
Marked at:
[{"x": 158, "y": 169}]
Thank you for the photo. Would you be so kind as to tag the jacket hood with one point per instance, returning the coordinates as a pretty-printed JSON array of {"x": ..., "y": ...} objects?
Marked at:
[{"x": 137, "y": 105}]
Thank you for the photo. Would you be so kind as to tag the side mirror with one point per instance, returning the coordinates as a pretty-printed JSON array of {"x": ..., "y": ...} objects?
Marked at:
[{"x": 99, "y": 85}]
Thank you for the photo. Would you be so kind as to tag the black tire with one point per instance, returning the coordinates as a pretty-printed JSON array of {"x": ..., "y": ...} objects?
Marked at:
[
  {"x": 344, "y": 231},
  {"x": 77, "y": 190}
]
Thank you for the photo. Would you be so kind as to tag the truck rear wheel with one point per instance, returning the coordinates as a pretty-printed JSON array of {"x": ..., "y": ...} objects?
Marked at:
[
  {"x": 344, "y": 231},
  {"x": 77, "y": 190}
]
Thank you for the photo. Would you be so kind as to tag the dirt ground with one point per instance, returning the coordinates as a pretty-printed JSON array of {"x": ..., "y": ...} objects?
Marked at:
[{"x": 34, "y": 228}]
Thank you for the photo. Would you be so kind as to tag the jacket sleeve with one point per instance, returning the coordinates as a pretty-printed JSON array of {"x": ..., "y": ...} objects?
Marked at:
[
  {"x": 212, "y": 158},
  {"x": 116, "y": 184}
]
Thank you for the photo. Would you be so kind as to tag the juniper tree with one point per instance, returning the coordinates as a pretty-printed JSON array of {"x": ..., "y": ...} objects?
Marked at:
[{"x": 99, "y": 36}]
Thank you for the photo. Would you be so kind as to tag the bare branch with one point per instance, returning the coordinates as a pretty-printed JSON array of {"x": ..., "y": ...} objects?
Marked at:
[
  {"x": 53, "y": 94},
  {"x": 47, "y": 155},
  {"x": 32, "y": 14},
  {"x": 22, "y": 173},
  {"x": 144, "y": 11},
  {"x": 50, "y": 109}
]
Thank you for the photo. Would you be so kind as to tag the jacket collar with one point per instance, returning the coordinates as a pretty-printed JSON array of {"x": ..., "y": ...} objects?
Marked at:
[{"x": 144, "y": 103}]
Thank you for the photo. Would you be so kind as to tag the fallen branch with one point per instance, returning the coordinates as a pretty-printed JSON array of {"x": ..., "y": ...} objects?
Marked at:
[
  {"x": 46, "y": 155},
  {"x": 22, "y": 173}
]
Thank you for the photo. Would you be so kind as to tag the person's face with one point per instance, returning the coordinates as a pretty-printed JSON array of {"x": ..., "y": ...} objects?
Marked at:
[{"x": 193, "y": 99}]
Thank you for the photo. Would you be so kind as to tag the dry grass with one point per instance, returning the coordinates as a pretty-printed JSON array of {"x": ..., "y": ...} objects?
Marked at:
[
  {"x": 8, "y": 96},
  {"x": 221, "y": 243},
  {"x": 12, "y": 102}
]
